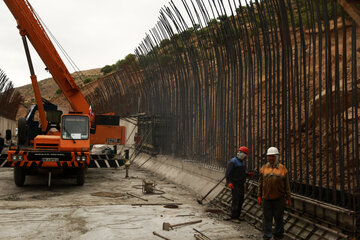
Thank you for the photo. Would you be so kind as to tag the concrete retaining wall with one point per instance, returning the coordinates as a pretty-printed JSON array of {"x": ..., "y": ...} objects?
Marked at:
[
  {"x": 7, "y": 124},
  {"x": 195, "y": 176}
]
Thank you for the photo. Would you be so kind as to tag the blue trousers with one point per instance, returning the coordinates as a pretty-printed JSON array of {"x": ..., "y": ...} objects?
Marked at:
[{"x": 273, "y": 209}]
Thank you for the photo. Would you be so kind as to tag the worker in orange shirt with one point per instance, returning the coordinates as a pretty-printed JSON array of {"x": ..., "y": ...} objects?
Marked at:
[{"x": 273, "y": 191}]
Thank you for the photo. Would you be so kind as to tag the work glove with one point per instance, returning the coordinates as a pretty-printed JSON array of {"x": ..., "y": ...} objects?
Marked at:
[
  {"x": 259, "y": 200},
  {"x": 230, "y": 185},
  {"x": 251, "y": 174}
]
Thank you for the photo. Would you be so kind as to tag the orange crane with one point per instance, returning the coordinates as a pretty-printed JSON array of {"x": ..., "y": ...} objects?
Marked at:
[{"x": 67, "y": 149}]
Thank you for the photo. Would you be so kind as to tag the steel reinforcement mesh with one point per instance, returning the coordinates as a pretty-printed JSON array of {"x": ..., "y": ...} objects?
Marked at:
[
  {"x": 264, "y": 73},
  {"x": 10, "y": 99}
]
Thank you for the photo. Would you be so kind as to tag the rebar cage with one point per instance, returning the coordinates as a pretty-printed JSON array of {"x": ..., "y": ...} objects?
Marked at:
[{"x": 264, "y": 73}]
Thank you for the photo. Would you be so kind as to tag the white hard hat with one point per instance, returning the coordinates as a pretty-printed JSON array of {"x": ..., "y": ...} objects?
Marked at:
[{"x": 272, "y": 151}]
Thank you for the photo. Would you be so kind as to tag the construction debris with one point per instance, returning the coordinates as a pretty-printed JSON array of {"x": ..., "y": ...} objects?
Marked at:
[
  {"x": 137, "y": 197},
  {"x": 171, "y": 206},
  {"x": 149, "y": 204},
  {"x": 201, "y": 236},
  {"x": 108, "y": 194},
  {"x": 166, "y": 198},
  {"x": 167, "y": 226},
  {"x": 156, "y": 234},
  {"x": 200, "y": 201},
  {"x": 148, "y": 186}
]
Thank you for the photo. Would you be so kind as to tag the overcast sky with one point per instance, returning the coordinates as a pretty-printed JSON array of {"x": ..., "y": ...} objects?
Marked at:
[{"x": 94, "y": 33}]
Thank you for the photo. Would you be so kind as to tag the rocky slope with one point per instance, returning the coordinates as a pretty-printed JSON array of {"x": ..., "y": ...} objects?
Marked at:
[{"x": 50, "y": 90}]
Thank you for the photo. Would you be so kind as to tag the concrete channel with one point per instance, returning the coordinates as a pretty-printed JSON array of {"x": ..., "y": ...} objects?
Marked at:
[
  {"x": 110, "y": 206},
  {"x": 305, "y": 219}
]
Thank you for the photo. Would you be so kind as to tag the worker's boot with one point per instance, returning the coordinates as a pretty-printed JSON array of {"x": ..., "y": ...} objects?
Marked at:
[{"x": 232, "y": 219}]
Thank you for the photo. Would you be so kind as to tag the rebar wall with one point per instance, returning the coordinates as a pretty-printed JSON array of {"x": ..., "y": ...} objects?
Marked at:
[
  {"x": 278, "y": 73},
  {"x": 10, "y": 99}
]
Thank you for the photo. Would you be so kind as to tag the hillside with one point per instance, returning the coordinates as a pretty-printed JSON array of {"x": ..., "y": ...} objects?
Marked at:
[{"x": 50, "y": 90}]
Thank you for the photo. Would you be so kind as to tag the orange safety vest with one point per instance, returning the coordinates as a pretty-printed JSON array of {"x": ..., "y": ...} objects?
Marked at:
[{"x": 274, "y": 182}]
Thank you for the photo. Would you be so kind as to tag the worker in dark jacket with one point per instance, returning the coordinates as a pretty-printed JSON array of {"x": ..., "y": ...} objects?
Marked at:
[
  {"x": 273, "y": 191},
  {"x": 235, "y": 179}
]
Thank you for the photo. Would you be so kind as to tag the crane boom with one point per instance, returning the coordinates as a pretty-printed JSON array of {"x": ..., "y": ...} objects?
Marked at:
[{"x": 29, "y": 25}]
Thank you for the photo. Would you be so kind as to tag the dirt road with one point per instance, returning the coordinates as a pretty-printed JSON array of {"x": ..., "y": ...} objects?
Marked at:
[{"x": 104, "y": 209}]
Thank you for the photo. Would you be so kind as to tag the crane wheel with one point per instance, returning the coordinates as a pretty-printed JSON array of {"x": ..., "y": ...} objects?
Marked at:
[
  {"x": 22, "y": 131},
  {"x": 19, "y": 176},
  {"x": 80, "y": 177}
]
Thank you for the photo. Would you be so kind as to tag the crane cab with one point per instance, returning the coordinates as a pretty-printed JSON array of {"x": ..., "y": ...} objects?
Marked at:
[{"x": 75, "y": 133}]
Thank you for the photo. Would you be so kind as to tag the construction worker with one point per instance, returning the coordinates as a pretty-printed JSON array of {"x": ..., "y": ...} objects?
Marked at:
[
  {"x": 273, "y": 191},
  {"x": 235, "y": 179}
]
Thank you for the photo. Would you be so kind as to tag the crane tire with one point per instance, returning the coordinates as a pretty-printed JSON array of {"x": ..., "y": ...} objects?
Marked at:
[
  {"x": 22, "y": 131},
  {"x": 80, "y": 177},
  {"x": 19, "y": 176}
]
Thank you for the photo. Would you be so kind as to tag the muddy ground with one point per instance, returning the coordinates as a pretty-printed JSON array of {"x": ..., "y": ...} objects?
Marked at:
[{"x": 104, "y": 209}]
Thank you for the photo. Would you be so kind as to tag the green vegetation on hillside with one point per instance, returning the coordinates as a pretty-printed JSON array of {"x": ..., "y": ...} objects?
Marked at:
[
  {"x": 128, "y": 63},
  {"x": 229, "y": 30}
]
